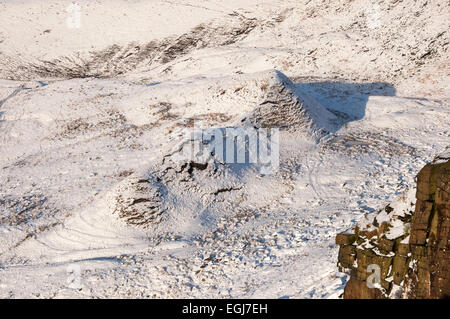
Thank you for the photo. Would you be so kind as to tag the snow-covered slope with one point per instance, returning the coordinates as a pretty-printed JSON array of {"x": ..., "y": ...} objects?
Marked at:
[{"x": 92, "y": 119}]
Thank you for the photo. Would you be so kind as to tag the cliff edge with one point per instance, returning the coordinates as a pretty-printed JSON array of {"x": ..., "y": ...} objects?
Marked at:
[{"x": 404, "y": 251}]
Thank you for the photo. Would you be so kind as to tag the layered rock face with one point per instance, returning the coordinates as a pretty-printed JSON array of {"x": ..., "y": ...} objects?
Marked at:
[
  {"x": 284, "y": 106},
  {"x": 404, "y": 252}
]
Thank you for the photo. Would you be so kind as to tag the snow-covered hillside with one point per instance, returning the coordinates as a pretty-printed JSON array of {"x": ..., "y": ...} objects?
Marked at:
[{"x": 98, "y": 99}]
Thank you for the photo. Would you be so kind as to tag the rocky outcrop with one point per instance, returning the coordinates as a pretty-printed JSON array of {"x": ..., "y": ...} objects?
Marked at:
[
  {"x": 284, "y": 106},
  {"x": 403, "y": 252}
]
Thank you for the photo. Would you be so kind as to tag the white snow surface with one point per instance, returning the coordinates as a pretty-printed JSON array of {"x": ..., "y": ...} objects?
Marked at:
[{"x": 91, "y": 119}]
